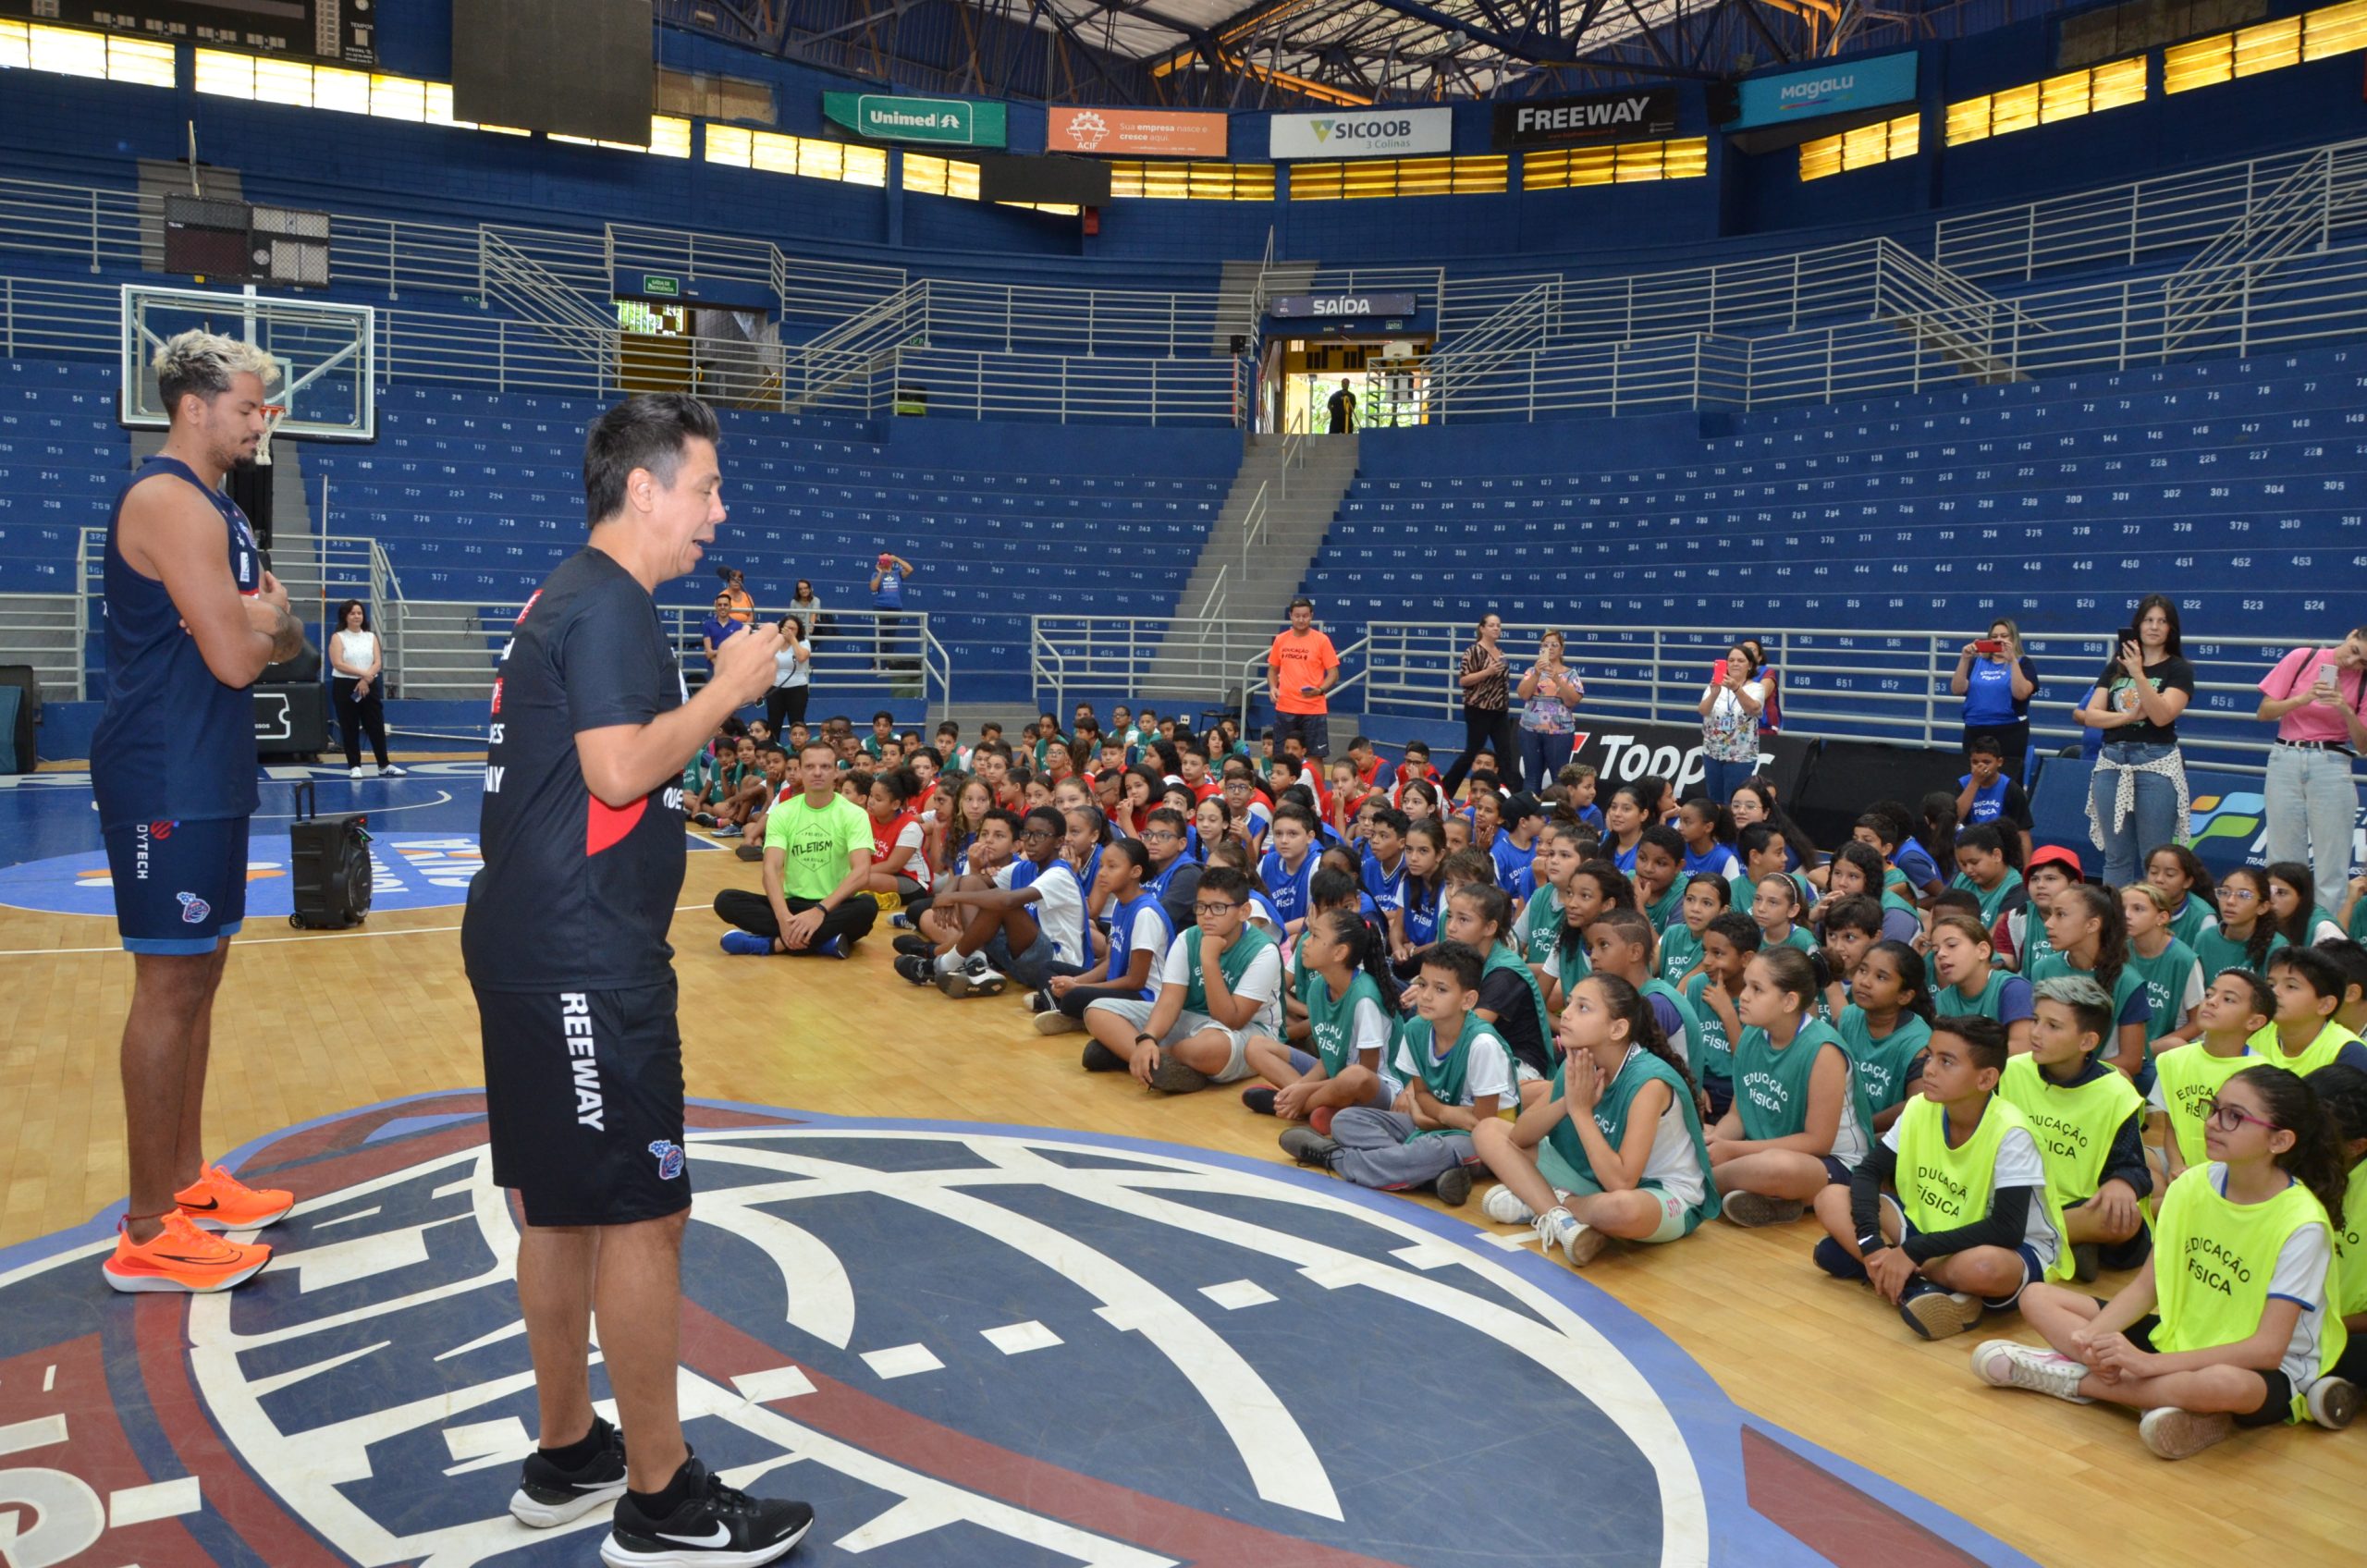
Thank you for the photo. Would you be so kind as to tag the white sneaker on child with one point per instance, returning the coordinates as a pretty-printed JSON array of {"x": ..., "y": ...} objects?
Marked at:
[
  {"x": 1503, "y": 1206},
  {"x": 2009, "y": 1363},
  {"x": 2171, "y": 1433},
  {"x": 2334, "y": 1403},
  {"x": 1580, "y": 1243}
]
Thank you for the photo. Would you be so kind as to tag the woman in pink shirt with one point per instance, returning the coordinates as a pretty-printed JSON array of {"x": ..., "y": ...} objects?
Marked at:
[{"x": 2318, "y": 698}]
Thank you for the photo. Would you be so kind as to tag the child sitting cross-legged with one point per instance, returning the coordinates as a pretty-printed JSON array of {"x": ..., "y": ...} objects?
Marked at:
[
  {"x": 1614, "y": 1148},
  {"x": 2342, "y": 1089},
  {"x": 1348, "y": 1024},
  {"x": 1139, "y": 933},
  {"x": 1793, "y": 1128},
  {"x": 2089, "y": 1119},
  {"x": 2228, "y": 1324},
  {"x": 2309, "y": 987},
  {"x": 1221, "y": 980},
  {"x": 1949, "y": 1211},
  {"x": 1455, "y": 1069},
  {"x": 1728, "y": 944},
  {"x": 2237, "y": 1006}
]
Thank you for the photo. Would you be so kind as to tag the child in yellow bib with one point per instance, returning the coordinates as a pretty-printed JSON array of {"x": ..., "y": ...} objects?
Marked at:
[
  {"x": 2090, "y": 1121},
  {"x": 2343, "y": 1090},
  {"x": 1950, "y": 1211},
  {"x": 2236, "y": 1006},
  {"x": 2309, "y": 988},
  {"x": 2227, "y": 1325}
]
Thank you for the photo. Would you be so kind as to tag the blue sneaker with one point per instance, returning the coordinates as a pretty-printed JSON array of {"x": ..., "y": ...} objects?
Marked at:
[
  {"x": 747, "y": 943},
  {"x": 829, "y": 946}
]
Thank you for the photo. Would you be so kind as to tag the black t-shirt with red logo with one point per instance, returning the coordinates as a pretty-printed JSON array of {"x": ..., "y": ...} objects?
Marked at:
[{"x": 575, "y": 895}]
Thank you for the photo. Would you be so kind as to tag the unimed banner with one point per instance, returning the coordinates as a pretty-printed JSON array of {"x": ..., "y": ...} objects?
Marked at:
[
  {"x": 1361, "y": 133},
  {"x": 1598, "y": 116},
  {"x": 1135, "y": 133}
]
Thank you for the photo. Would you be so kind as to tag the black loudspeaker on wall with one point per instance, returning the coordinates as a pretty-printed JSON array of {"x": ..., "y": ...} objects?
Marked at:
[
  {"x": 329, "y": 866},
  {"x": 1724, "y": 102}
]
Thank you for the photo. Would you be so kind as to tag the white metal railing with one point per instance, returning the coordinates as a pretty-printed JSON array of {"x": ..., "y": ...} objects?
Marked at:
[
  {"x": 1835, "y": 683},
  {"x": 1256, "y": 676},
  {"x": 1133, "y": 656},
  {"x": 45, "y": 631}
]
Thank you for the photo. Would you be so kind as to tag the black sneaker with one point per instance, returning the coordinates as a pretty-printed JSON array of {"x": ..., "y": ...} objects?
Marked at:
[
  {"x": 917, "y": 968},
  {"x": 750, "y": 852},
  {"x": 1099, "y": 1057},
  {"x": 1452, "y": 1186},
  {"x": 1260, "y": 1100},
  {"x": 916, "y": 947},
  {"x": 548, "y": 1495},
  {"x": 717, "y": 1525}
]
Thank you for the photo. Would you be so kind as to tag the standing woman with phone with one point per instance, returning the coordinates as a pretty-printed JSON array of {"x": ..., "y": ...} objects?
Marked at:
[
  {"x": 1997, "y": 680},
  {"x": 1730, "y": 706},
  {"x": 2137, "y": 799},
  {"x": 2318, "y": 699},
  {"x": 1487, "y": 709},
  {"x": 1771, "y": 711},
  {"x": 1549, "y": 693}
]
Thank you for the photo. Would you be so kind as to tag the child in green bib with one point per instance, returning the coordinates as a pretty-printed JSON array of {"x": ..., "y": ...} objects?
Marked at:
[
  {"x": 1886, "y": 1026},
  {"x": 1596, "y": 886},
  {"x": 2090, "y": 1122},
  {"x": 2309, "y": 988},
  {"x": 1706, "y": 897},
  {"x": 1728, "y": 944},
  {"x": 2167, "y": 967},
  {"x": 1659, "y": 855},
  {"x": 1793, "y": 1127},
  {"x": 1456, "y": 1071},
  {"x": 1511, "y": 1001},
  {"x": 2090, "y": 937},
  {"x": 1775, "y": 905},
  {"x": 1984, "y": 871},
  {"x": 1852, "y": 924},
  {"x": 1949, "y": 1212},
  {"x": 1349, "y": 1024},
  {"x": 1969, "y": 982},
  {"x": 2180, "y": 873},
  {"x": 2293, "y": 904},
  {"x": 2225, "y": 1325},
  {"x": 1539, "y": 928},
  {"x": 2351, "y": 959},
  {"x": 2237, "y": 1006},
  {"x": 2246, "y": 935},
  {"x": 2343, "y": 1090},
  {"x": 1616, "y": 1148},
  {"x": 1620, "y": 943},
  {"x": 2050, "y": 872}
]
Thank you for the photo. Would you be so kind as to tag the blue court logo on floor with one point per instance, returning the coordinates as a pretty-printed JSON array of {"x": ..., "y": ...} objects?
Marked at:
[
  {"x": 407, "y": 871},
  {"x": 987, "y": 1347}
]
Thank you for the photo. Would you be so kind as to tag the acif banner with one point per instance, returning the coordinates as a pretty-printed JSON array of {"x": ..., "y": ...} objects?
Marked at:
[
  {"x": 1598, "y": 116},
  {"x": 1361, "y": 133},
  {"x": 1135, "y": 133},
  {"x": 1826, "y": 89}
]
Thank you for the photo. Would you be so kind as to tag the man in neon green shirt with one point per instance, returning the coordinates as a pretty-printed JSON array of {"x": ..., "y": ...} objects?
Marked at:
[{"x": 817, "y": 854}]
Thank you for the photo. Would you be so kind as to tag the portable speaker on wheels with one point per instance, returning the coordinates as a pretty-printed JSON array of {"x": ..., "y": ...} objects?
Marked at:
[{"x": 329, "y": 866}]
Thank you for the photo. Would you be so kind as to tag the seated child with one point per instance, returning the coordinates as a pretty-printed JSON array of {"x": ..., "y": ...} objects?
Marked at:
[
  {"x": 1622, "y": 945},
  {"x": 1349, "y": 1024},
  {"x": 1614, "y": 1148},
  {"x": 2342, "y": 1089},
  {"x": 1775, "y": 905},
  {"x": 1728, "y": 944},
  {"x": 1659, "y": 853},
  {"x": 1971, "y": 983},
  {"x": 2304, "y": 1036},
  {"x": 1197, "y": 1031},
  {"x": 2239, "y": 1005},
  {"x": 2167, "y": 967},
  {"x": 1886, "y": 1026},
  {"x": 1021, "y": 922},
  {"x": 1511, "y": 1002},
  {"x": 1139, "y": 933},
  {"x": 2088, "y": 1121},
  {"x": 1455, "y": 1069},
  {"x": 1707, "y": 830},
  {"x": 2226, "y": 1325},
  {"x": 1704, "y": 898},
  {"x": 1988, "y": 795},
  {"x": 1984, "y": 871},
  {"x": 2089, "y": 934},
  {"x": 1539, "y": 927},
  {"x": 1793, "y": 1127},
  {"x": 1514, "y": 846},
  {"x": 1852, "y": 924},
  {"x": 1594, "y": 887},
  {"x": 1950, "y": 1211}
]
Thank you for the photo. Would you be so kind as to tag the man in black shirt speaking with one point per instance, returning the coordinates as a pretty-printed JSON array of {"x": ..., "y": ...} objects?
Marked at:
[{"x": 565, "y": 943}]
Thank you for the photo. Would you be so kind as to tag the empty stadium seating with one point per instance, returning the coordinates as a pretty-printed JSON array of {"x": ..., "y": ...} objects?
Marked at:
[{"x": 62, "y": 454}]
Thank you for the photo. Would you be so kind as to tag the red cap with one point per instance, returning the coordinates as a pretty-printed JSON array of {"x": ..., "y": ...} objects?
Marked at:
[{"x": 2057, "y": 855}]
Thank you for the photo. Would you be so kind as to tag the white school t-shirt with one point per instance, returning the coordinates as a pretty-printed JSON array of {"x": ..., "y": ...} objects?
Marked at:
[
  {"x": 1260, "y": 982},
  {"x": 2019, "y": 1165},
  {"x": 1489, "y": 1071}
]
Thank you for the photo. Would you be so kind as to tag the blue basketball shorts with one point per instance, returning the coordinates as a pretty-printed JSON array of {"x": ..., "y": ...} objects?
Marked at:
[{"x": 179, "y": 886}]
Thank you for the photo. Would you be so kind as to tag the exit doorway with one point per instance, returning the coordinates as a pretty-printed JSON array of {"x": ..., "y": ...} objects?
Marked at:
[{"x": 1386, "y": 377}]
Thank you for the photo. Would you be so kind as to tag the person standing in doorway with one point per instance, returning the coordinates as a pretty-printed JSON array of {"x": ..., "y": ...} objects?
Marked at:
[
  {"x": 888, "y": 577},
  {"x": 2317, "y": 698},
  {"x": 191, "y": 620},
  {"x": 1487, "y": 708},
  {"x": 1343, "y": 409},
  {"x": 565, "y": 945},
  {"x": 1301, "y": 667}
]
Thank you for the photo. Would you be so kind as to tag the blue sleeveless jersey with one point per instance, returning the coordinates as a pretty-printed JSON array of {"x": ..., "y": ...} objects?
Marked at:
[{"x": 173, "y": 744}]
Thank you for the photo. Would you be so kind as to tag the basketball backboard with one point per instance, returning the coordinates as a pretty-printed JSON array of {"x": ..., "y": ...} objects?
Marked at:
[{"x": 327, "y": 354}]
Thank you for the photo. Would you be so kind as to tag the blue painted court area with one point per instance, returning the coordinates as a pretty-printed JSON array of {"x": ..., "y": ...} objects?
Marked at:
[{"x": 977, "y": 1345}]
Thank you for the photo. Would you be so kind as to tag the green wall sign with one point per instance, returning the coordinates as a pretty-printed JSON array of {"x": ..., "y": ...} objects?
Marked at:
[
  {"x": 658, "y": 286},
  {"x": 947, "y": 122}
]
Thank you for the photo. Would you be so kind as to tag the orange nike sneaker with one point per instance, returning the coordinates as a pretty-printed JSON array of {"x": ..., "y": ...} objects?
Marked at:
[
  {"x": 219, "y": 1199},
  {"x": 181, "y": 1258}
]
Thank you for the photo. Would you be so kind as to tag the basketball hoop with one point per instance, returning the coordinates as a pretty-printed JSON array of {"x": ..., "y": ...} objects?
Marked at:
[{"x": 272, "y": 414}]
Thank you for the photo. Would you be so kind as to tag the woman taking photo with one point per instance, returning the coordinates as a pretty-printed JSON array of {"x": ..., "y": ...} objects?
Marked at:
[
  {"x": 2318, "y": 699},
  {"x": 1997, "y": 680},
  {"x": 1729, "y": 709},
  {"x": 793, "y": 678},
  {"x": 1549, "y": 693},
  {"x": 2136, "y": 800},
  {"x": 1487, "y": 709},
  {"x": 355, "y": 662}
]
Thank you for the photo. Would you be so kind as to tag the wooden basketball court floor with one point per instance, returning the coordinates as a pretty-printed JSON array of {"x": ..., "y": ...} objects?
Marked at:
[{"x": 311, "y": 1024}]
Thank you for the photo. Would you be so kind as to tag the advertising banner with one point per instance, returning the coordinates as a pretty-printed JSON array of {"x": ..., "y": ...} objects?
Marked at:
[
  {"x": 1361, "y": 133},
  {"x": 1291, "y": 307},
  {"x": 1620, "y": 752},
  {"x": 1826, "y": 89},
  {"x": 947, "y": 122},
  {"x": 1598, "y": 116},
  {"x": 1135, "y": 133}
]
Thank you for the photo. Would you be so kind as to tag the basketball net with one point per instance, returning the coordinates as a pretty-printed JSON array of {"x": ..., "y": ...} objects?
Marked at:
[{"x": 272, "y": 414}]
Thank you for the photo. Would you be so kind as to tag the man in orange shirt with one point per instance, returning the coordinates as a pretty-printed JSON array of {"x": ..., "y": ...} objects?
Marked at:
[{"x": 1300, "y": 668}]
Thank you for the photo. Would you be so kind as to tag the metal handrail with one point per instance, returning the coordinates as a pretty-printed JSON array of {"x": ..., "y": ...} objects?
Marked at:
[
  {"x": 1253, "y": 683},
  {"x": 1252, "y": 526}
]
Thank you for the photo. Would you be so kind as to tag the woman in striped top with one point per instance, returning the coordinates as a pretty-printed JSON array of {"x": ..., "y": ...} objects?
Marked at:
[{"x": 1487, "y": 709}]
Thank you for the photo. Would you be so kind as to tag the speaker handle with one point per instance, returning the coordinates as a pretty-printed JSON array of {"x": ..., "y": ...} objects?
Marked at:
[{"x": 306, "y": 807}]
